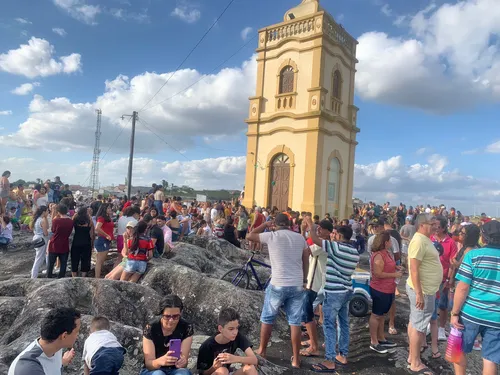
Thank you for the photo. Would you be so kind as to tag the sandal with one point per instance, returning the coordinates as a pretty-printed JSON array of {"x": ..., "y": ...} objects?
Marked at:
[
  {"x": 393, "y": 331},
  {"x": 424, "y": 348},
  {"x": 305, "y": 343},
  {"x": 321, "y": 368},
  {"x": 436, "y": 355},
  {"x": 424, "y": 371}
]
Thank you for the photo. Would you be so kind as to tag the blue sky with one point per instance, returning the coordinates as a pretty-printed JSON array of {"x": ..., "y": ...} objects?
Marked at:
[{"x": 427, "y": 91}]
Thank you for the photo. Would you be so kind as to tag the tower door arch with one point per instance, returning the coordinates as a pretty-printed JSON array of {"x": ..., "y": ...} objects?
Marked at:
[{"x": 279, "y": 182}]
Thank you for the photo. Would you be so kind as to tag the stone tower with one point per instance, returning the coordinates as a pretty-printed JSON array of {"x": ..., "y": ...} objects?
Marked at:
[{"x": 302, "y": 121}]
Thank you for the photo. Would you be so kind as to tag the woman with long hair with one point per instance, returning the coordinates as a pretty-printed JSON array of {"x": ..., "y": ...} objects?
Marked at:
[
  {"x": 382, "y": 289},
  {"x": 242, "y": 222},
  {"x": 4, "y": 191},
  {"x": 175, "y": 226},
  {"x": 104, "y": 230},
  {"x": 41, "y": 199},
  {"x": 83, "y": 241},
  {"x": 40, "y": 227},
  {"x": 130, "y": 214},
  {"x": 139, "y": 249}
]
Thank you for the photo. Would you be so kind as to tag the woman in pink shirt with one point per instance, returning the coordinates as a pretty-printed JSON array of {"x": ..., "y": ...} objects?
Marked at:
[{"x": 382, "y": 289}]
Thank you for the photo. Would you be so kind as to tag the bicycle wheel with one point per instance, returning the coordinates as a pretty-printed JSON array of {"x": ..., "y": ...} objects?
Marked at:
[{"x": 238, "y": 277}]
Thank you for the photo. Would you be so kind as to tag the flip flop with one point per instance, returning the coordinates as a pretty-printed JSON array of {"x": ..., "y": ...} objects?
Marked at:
[
  {"x": 291, "y": 362},
  {"x": 436, "y": 355},
  {"x": 424, "y": 348},
  {"x": 305, "y": 343},
  {"x": 321, "y": 368},
  {"x": 337, "y": 362},
  {"x": 308, "y": 354},
  {"x": 393, "y": 331},
  {"x": 424, "y": 371}
]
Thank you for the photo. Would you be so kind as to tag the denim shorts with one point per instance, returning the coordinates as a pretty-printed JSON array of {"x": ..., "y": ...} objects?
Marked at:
[
  {"x": 290, "y": 297},
  {"x": 308, "y": 306},
  {"x": 491, "y": 340},
  {"x": 442, "y": 303},
  {"x": 136, "y": 266},
  {"x": 101, "y": 244}
]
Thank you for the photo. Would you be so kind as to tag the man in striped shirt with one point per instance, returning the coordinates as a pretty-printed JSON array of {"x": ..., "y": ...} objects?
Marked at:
[
  {"x": 476, "y": 307},
  {"x": 342, "y": 261}
]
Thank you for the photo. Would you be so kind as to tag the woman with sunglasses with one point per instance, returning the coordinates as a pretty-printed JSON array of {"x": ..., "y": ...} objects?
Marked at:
[{"x": 158, "y": 359}]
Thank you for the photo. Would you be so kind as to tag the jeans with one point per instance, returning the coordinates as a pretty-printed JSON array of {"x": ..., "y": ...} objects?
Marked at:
[
  {"x": 336, "y": 305},
  {"x": 289, "y": 297},
  {"x": 166, "y": 371},
  {"x": 159, "y": 207},
  {"x": 4, "y": 241},
  {"x": 19, "y": 210},
  {"x": 63, "y": 258},
  {"x": 107, "y": 361}
]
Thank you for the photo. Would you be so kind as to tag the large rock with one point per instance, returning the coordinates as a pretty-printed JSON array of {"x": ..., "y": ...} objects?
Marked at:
[{"x": 191, "y": 271}]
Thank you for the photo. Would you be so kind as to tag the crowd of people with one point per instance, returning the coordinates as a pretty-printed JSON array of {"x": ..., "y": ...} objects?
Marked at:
[{"x": 452, "y": 266}]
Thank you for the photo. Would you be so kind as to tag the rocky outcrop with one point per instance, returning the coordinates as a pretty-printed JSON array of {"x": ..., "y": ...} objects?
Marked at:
[{"x": 192, "y": 271}]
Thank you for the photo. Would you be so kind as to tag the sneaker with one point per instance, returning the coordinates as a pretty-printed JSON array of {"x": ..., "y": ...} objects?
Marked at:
[
  {"x": 442, "y": 334},
  {"x": 387, "y": 344},
  {"x": 378, "y": 348},
  {"x": 477, "y": 346}
]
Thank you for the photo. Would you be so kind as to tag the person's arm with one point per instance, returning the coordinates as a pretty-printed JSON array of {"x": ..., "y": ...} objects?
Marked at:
[
  {"x": 378, "y": 269},
  {"x": 249, "y": 359},
  {"x": 312, "y": 232},
  {"x": 125, "y": 245},
  {"x": 186, "y": 344},
  {"x": 415, "y": 279},
  {"x": 45, "y": 226},
  {"x": 254, "y": 235},
  {"x": 461, "y": 293},
  {"x": 150, "y": 361},
  {"x": 86, "y": 370},
  {"x": 305, "y": 263}
]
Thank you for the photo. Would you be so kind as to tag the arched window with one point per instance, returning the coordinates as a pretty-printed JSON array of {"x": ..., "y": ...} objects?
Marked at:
[
  {"x": 333, "y": 182},
  {"x": 337, "y": 85},
  {"x": 287, "y": 77}
]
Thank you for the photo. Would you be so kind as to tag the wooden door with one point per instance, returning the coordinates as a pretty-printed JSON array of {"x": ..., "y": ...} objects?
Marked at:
[{"x": 280, "y": 182}]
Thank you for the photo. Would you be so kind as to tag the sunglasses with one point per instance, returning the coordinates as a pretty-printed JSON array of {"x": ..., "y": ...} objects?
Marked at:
[{"x": 171, "y": 317}]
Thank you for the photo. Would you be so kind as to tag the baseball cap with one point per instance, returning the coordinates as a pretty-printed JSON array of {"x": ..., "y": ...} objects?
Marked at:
[
  {"x": 131, "y": 224},
  {"x": 377, "y": 222}
]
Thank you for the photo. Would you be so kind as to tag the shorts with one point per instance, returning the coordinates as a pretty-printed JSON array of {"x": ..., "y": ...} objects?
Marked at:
[
  {"x": 101, "y": 244},
  {"x": 308, "y": 306},
  {"x": 442, "y": 302},
  {"x": 119, "y": 243},
  {"x": 136, "y": 266},
  {"x": 107, "y": 361},
  {"x": 381, "y": 302},
  {"x": 420, "y": 319},
  {"x": 242, "y": 234},
  {"x": 491, "y": 340},
  {"x": 290, "y": 297}
]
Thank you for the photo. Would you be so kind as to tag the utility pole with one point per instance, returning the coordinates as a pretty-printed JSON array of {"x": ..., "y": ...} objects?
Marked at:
[
  {"x": 94, "y": 175},
  {"x": 131, "y": 156}
]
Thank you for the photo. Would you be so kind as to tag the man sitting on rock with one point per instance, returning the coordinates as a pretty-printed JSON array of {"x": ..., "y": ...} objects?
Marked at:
[
  {"x": 59, "y": 330},
  {"x": 216, "y": 354},
  {"x": 289, "y": 256}
]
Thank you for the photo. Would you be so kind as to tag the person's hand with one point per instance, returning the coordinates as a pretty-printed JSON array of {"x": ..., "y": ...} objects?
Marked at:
[
  {"x": 68, "y": 357},
  {"x": 227, "y": 358},
  {"x": 454, "y": 322},
  {"x": 269, "y": 224},
  {"x": 181, "y": 362},
  {"x": 400, "y": 268},
  {"x": 399, "y": 274},
  {"x": 420, "y": 304},
  {"x": 168, "y": 360},
  {"x": 217, "y": 363}
]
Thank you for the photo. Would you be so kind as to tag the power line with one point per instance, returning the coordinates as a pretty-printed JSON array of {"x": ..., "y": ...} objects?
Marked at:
[
  {"x": 205, "y": 76},
  {"x": 143, "y": 122},
  {"x": 190, "y": 53}
]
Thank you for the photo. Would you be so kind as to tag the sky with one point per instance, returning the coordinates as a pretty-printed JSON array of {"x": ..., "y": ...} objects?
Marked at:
[{"x": 427, "y": 85}]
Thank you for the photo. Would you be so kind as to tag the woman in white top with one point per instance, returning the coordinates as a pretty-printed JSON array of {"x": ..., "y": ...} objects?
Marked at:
[
  {"x": 130, "y": 214},
  {"x": 41, "y": 199},
  {"x": 40, "y": 226}
]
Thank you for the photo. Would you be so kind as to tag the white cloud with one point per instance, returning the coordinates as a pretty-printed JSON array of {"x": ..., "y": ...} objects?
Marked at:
[
  {"x": 35, "y": 59},
  {"x": 442, "y": 66},
  {"x": 5, "y": 113},
  {"x": 25, "y": 88},
  {"x": 494, "y": 148},
  {"x": 187, "y": 12},
  {"x": 386, "y": 10},
  {"x": 470, "y": 152},
  {"x": 421, "y": 151},
  {"x": 218, "y": 102},
  {"x": 79, "y": 10},
  {"x": 246, "y": 32},
  {"x": 125, "y": 15},
  {"x": 24, "y": 21},
  {"x": 59, "y": 31}
]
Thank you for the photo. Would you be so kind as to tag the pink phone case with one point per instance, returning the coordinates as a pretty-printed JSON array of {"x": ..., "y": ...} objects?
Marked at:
[{"x": 175, "y": 346}]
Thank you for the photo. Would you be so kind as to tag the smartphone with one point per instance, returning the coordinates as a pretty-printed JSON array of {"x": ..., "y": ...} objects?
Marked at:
[{"x": 175, "y": 347}]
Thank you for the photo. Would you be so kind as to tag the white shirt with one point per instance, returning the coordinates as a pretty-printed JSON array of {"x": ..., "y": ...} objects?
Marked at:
[
  {"x": 213, "y": 214},
  {"x": 427, "y": 210},
  {"x": 96, "y": 341},
  {"x": 317, "y": 268},
  {"x": 465, "y": 223},
  {"x": 207, "y": 231},
  {"x": 33, "y": 361}
]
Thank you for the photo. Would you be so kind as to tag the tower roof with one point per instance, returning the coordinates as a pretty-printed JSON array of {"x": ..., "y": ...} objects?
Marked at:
[{"x": 305, "y": 8}]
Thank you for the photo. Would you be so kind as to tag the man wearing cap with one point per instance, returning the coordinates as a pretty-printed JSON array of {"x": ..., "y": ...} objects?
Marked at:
[
  {"x": 426, "y": 275},
  {"x": 289, "y": 256},
  {"x": 476, "y": 307},
  {"x": 315, "y": 282}
]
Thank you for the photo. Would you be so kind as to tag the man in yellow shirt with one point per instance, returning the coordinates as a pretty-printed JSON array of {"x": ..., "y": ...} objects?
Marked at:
[{"x": 426, "y": 274}]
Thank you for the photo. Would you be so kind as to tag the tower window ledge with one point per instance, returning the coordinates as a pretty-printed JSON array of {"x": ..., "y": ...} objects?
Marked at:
[
  {"x": 286, "y": 95},
  {"x": 285, "y": 101}
]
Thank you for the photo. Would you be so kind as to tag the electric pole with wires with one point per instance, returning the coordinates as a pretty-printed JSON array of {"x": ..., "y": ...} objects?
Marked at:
[
  {"x": 131, "y": 156},
  {"x": 94, "y": 174}
]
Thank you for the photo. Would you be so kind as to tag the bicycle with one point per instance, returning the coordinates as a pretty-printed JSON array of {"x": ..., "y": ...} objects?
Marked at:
[{"x": 241, "y": 276}]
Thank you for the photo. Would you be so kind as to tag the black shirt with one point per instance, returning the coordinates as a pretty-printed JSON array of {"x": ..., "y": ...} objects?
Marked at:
[
  {"x": 397, "y": 236},
  {"x": 95, "y": 207},
  {"x": 210, "y": 349},
  {"x": 156, "y": 233},
  {"x": 154, "y": 333}
]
